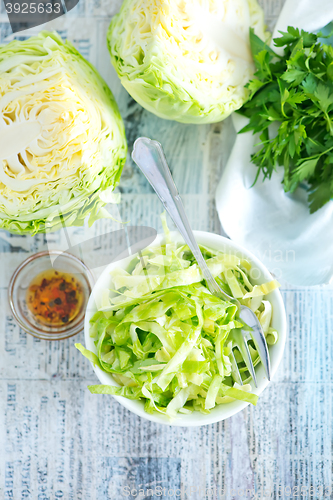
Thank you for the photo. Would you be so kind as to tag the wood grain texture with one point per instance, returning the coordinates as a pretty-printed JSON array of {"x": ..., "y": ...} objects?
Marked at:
[{"x": 59, "y": 441}]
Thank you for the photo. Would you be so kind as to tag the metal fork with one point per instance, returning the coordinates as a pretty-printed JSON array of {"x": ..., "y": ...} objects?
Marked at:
[{"x": 150, "y": 158}]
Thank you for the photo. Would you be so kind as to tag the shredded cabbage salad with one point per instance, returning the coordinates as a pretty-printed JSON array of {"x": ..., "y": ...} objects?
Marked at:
[{"x": 167, "y": 340}]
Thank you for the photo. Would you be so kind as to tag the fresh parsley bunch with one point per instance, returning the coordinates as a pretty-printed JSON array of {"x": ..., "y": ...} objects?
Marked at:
[{"x": 296, "y": 92}]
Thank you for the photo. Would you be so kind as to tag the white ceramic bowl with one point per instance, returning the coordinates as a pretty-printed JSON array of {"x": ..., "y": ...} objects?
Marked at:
[{"x": 220, "y": 412}]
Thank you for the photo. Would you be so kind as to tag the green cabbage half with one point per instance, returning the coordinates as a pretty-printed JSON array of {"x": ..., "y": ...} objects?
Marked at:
[
  {"x": 166, "y": 340},
  {"x": 62, "y": 139},
  {"x": 185, "y": 60}
]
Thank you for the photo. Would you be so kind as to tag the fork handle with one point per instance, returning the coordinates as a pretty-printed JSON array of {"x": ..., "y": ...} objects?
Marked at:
[{"x": 150, "y": 158}]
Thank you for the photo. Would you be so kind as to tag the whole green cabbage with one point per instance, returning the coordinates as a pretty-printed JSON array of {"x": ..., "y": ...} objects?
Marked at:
[
  {"x": 185, "y": 60},
  {"x": 62, "y": 139}
]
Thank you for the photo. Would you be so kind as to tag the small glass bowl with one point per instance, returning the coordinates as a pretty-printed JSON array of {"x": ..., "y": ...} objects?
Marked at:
[{"x": 21, "y": 280}]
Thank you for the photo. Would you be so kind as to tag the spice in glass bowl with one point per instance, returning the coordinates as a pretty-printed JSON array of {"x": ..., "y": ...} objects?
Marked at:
[
  {"x": 48, "y": 294},
  {"x": 55, "y": 298}
]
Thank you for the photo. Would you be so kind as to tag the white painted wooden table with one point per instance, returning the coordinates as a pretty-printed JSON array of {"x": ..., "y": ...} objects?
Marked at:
[{"x": 59, "y": 441}]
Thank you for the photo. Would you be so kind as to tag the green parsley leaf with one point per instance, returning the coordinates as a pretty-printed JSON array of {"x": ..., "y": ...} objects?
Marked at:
[
  {"x": 295, "y": 93},
  {"x": 319, "y": 197},
  {"x": 305, "y": 169}
]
